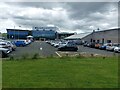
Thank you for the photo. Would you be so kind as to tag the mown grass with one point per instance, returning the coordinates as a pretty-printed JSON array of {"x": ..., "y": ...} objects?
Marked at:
[{"x": 66, "y": 72}]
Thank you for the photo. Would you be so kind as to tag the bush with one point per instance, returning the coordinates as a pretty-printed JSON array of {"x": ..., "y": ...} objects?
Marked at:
[
  {"x": 35, "y": 56},
  {"x": 25, "y": 56},
  {"x": 79, "y": 56},
  {"x": 11, "y": 58}
]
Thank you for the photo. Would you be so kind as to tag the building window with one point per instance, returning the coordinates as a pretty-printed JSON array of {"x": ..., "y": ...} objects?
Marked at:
[
  {"x": 93, "y": 40},
  {"x": 103, "y": 40},
  {"x": 109, "y": 41},
  {"x": 98, "y": 41}
]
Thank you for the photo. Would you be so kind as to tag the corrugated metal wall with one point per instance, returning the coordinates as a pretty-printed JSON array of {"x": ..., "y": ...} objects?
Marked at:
[{"x": 103, "y": 36}]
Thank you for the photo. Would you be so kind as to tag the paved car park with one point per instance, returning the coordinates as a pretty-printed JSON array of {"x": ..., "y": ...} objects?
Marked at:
[
  {"x": 38, "y": 47},
  {"x": 44, "y": 49},
  {"x": 95, "y": 51}
]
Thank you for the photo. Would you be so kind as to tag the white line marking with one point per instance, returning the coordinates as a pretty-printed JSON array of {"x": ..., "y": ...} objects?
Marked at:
[
  {"x": 41, "y": 48},
  {"x": 58, "y": 54}
]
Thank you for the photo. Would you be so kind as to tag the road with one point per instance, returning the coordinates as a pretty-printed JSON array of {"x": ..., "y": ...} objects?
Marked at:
[{"x": 45, "y": 50}]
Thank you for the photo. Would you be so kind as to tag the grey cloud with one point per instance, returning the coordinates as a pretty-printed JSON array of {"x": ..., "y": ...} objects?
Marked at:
[
  {"x": 45, "y": 5},
  {"x": 77, "y": 15},
  {"x": 83, "y": 9}
]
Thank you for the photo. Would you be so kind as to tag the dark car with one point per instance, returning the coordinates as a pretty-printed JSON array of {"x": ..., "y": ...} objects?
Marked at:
[
  {"x": 4, "y": 52},
  {"x": 69, "y": 47},
  {"x": 85, "y": 44},
  {"x": 92, "y": 45}
]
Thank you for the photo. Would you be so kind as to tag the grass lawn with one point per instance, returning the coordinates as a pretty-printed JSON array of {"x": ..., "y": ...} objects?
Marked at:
[{"x": 51, "y": 72}]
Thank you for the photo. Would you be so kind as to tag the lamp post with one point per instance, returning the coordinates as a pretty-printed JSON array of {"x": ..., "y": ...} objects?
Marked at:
[
  {"x": 14, "y": 32},
  {"x": 18, "y": 33}
]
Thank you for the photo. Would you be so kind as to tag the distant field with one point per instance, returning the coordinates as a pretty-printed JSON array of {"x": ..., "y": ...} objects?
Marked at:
[{"x": 61, "y": 73}]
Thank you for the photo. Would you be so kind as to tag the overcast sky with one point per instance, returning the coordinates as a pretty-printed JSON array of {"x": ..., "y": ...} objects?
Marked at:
[{"x": 77, "y": 17}]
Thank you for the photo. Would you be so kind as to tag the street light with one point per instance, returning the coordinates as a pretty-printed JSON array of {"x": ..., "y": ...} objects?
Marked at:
[
  {"x": 14, "y": 32},
  {"x": 18, "y": 33}
]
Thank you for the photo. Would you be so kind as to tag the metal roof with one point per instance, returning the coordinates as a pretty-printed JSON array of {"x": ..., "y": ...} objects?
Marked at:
[{"x": 78, "y": 36}]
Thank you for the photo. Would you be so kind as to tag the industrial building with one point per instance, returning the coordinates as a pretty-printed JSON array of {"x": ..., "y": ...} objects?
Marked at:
[
  {"x": 17, "y": 33},
  {"x": 77, "y": 36},
  {"x": 103, "y": 36},
  {"x": 50, "y": 33},
  {"x": 62, "y": 35},
  {"x": 39, "y": 33},
  {"x": 44, "y": 33}
]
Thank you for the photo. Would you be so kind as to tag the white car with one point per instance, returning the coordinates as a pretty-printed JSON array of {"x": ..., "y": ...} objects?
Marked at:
[
  {"x": 110, "y": 47},
  {"x": 117, "y": 48},
  {"x": 6, "y": 45},
  {"x": 62, "y": 44},
  {"x": 27, "y": 42},
  {"x": 7, "y": 51},
  {"x": 57, "y": 44},
  {"x": 9, "y": 44}
]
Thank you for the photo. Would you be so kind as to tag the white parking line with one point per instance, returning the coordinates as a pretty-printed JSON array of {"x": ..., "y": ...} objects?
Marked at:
[
  {"x": 58, "y": 54},
  {"x": 40, "y": 48}
]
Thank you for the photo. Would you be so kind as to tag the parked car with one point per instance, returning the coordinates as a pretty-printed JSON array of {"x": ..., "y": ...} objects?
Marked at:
[
  {"x": 2, "y": 38},
  {"x": 77, "y": 42},
  {"x": 88, "y": 44},
  {"x": 92, "y": 45},
  {"x": 62, "y": 44},
  {"x": 4, "y": 44},
  {"x": 85, "y": 44},
  {"x": 97, "y": 45},
  {"x": 47, "y": 42},
  {"x": 13, "y": 46},
  {"x": 110, "y": 47},
  {"x": 28, "y": 41},
  {"x": 52, "y": 43},
  {"x": 57, "y": 44},
  {"x": 103, "y": 47},
  {"x": 19, "y": 43},
  {"x": 117, "y": 48},
  {"x": 68, "y": 47},
  {"x": 4, "y": 52}
]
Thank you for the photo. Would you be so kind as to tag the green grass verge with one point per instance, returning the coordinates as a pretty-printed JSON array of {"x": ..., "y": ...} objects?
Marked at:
[{"x": 61, "y": 73}]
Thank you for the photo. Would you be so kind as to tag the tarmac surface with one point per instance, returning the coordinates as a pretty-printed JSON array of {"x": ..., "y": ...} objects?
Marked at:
[
  {"x": 41, "y": 48},
  {"x": 45, "y": 50}
]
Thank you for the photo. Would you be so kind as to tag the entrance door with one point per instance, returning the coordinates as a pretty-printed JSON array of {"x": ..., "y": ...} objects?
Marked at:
[
  {"x": 42, "y": 39},
  {"x": 103, "y": 40}
]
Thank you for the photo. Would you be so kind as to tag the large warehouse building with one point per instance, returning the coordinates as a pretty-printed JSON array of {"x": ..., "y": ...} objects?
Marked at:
[{"x": 104, "y": 36}]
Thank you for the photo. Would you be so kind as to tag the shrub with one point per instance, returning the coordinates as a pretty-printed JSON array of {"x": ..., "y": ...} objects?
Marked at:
[
  {"x": 79, "y": 56},
  {"x": 25, "y": 56},
  {"x": 35, "y": 56},
  {"x": 11, "y": 58}
]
